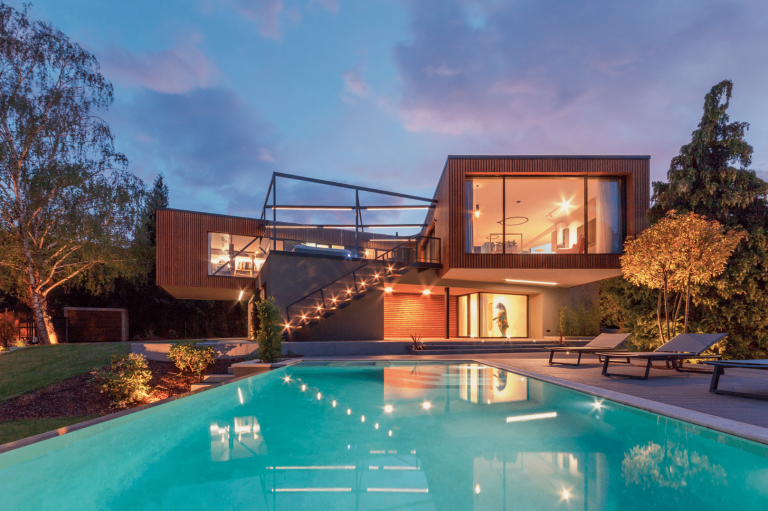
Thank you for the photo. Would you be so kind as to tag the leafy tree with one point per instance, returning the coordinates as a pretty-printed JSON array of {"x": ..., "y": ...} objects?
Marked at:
[
  {"x": 710, "y": 177},
  {"x": 676, "y": 252},
  {"x": 68, "y": 206},
  {"x": 269, "y": 337},
  {"x": 146, "y": 234}
]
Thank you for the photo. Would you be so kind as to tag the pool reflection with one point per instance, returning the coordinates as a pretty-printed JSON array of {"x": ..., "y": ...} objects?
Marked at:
[{"x": 458, "y": 436}]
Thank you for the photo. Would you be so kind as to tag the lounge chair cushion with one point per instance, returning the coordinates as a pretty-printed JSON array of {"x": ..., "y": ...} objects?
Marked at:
[
  {"x": 607, "y": 341},
  {"x": 691, "y": 343}
]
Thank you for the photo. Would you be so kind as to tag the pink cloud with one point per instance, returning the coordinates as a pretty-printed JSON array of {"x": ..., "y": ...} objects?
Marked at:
[
  {"x": 265, "y": 14},
  {"x": 331, "y": 5},
  {"x": 180, "y": 69},
  {"x": 540, "y": 76},
  {"x": 354, "y": 85}
]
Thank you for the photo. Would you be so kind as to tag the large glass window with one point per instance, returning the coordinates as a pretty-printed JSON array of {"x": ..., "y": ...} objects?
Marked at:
[
  {"x": 230, "y": 255},
  {"x": 606, "y": 213},
  {"x": 487, "y": 315},
  {"x": 544, "y": 215},
  {"x": 484, "y": 198}
]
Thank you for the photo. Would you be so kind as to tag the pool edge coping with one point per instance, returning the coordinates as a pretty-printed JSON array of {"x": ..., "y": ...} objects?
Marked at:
[{"x": 736, "y": 428}]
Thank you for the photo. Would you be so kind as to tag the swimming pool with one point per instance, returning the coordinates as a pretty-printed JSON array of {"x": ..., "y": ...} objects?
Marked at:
[{"x": 387, "y": 436}]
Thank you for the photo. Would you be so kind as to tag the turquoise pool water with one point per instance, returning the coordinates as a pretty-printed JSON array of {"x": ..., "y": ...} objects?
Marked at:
[{"x": 388, "y": 436}]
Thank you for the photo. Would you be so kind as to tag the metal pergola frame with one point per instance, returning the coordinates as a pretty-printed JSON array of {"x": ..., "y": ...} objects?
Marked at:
[{"x": 359, "y": 225}]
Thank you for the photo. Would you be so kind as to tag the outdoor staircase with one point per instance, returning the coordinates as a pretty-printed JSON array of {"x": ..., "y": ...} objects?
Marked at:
[
  {"x": 371, "y": 274},
  {"x": 212, "y": 380},
  {"x": 481, "y": 347}
]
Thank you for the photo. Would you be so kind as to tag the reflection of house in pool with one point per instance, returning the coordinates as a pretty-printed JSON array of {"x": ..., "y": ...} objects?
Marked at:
[{"x": 500, "y": 247}]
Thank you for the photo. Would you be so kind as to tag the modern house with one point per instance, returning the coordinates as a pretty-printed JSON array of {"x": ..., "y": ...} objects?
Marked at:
[{"x": 504, "y": 243}]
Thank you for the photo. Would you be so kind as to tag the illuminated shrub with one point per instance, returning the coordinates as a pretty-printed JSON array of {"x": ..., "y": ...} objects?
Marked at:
[
  {"x": 191, "y": 357},
  {"x": 126, "y": 381}
]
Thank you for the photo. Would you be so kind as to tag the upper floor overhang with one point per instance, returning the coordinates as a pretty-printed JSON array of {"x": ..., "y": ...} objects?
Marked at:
[{"x": 539, "y": 212}]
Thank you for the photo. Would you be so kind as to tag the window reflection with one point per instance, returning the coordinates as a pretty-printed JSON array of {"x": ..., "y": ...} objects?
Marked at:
[
  {"x": 486, "y": 385},
  {"x": 241, "y": 439}
]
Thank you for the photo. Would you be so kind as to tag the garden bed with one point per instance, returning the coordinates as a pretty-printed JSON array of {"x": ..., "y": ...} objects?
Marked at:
[{"x": 79, "y": 396}]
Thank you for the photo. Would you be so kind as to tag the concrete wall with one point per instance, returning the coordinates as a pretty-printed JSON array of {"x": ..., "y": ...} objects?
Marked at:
[
  {"x": 585, "y": 296},
  {"x": 363, "y": 320},
  {"x": 290, "y": 277}
]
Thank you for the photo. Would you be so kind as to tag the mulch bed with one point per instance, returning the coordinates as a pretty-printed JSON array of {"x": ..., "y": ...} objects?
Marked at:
[{"x": 78, "y": 396}]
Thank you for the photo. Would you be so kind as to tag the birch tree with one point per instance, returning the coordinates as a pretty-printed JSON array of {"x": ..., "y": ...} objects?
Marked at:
[{"x": 68, "y": 205}]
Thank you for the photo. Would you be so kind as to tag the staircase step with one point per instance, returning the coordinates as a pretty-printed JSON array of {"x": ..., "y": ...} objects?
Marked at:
[
  {"x": 217, "y": 378},
  {"x": 470, "y": 351},
  {"x": 204, "y": 385}
]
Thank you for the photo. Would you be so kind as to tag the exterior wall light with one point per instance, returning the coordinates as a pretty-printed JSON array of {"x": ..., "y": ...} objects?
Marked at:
[
  {"x": 387, "y": 289},
  {"x": 426, "y": 292}
]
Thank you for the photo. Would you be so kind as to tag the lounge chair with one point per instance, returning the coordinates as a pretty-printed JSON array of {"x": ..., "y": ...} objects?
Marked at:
[
  {"x": 682, "y": 347},
  {"x": 720, "y": 366},
  {"x": 600, "y": 344}
]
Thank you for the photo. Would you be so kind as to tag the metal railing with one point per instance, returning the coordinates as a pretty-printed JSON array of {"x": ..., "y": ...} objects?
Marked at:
[{"x": 340, "y": 292}]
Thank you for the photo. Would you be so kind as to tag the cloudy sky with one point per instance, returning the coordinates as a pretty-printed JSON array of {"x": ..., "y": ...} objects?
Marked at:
[{"x": 218, "y": 94}]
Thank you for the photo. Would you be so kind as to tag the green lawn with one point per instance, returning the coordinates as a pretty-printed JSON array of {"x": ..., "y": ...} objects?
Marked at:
[
  {"x": 23, "y": 371},
  {"x": 16, "y": 430}
]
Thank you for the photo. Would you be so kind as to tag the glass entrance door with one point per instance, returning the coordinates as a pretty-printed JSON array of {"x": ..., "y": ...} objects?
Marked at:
[{"x": 489, "y": 315}]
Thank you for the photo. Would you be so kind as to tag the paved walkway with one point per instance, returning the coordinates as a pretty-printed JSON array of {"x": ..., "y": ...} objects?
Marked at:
[{"x": 686, "y": 390}]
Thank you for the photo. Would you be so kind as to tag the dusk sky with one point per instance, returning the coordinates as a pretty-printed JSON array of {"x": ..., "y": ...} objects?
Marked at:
[{"x": 218, "y": 94}]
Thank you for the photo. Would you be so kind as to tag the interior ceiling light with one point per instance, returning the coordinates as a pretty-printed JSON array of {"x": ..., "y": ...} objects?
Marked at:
[
  {"x": 477, "y": 210},
  {"x": 531, "y": 282}
]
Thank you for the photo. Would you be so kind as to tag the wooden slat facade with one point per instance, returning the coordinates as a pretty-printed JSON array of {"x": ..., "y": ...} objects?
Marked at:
[
  {"x": 449, "y": 214},
  {"x": 182, "y": 248},
  {"x": 406, "y": 314}
]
